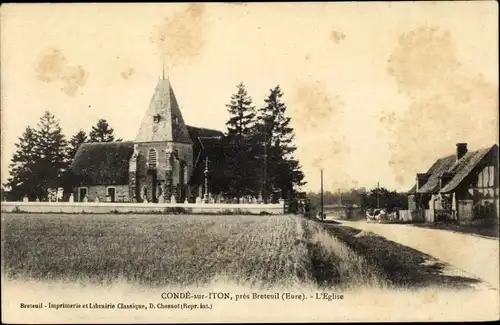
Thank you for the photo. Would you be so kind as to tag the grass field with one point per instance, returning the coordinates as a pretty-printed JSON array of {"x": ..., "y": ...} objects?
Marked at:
[{"x": 154, "y": 250}]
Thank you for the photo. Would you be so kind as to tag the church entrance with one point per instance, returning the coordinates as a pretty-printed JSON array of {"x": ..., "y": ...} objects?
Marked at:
[{"x": 154, "y": 190}]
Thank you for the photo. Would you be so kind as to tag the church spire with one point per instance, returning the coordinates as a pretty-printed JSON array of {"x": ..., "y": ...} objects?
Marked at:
[{"x": 163, "y": 120}]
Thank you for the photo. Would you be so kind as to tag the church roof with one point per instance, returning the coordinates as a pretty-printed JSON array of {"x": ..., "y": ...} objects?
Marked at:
[
  {"x": 163, "y": 120},
  {"x": 207, "y": 143},
  {"x": 459, "y": 169},
  {"x": 103, "y": 163},
  {"x": 107, "y": 163}
]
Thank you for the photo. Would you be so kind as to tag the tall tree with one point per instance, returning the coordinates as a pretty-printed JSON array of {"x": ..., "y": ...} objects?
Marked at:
[
  {"x": 68, "y": 179},
  {"x": 23, "y": 180},
  {"x": 75, "y": 142},
  {"x": 51, "y": 151},
  {"x": 102, "y": 132},
  {"x": 239, "y": 144},
  {"x": 280, "y": 168}
]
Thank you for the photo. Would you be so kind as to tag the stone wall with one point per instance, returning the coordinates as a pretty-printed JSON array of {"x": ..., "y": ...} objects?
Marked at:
[
  {"x": 170, "y": 170},
  {"x": 160, "y": 208},
  {"x": 100, "y": 191}
]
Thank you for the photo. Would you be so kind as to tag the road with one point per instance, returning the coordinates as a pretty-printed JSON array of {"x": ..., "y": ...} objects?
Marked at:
[{"x": 478, "y": 256}]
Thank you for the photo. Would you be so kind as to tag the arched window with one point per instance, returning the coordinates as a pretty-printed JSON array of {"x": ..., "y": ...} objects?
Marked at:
[{"x": 152, "y": 158}]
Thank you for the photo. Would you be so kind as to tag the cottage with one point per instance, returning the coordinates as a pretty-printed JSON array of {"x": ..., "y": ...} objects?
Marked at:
[
  {"x": 462, "y": 187},
  {"x": 167, "y": 158}
]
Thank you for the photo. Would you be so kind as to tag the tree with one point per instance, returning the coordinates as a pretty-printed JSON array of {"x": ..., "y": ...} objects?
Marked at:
[
  {"x": 380, "y": 197},
  {"x": 68, "y": 179},
  {"x": 51, "y": 155},
  {"x": 102, "y": 132},
  {"x": 23, "y": 180},
  {"x": 75, "y": 142},
  {"x": 239, "y": 144},
  {"x": 280, "y": 169}
]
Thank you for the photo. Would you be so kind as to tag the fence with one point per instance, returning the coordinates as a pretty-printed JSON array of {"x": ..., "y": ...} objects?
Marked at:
[{"x": 109, "y": 207}]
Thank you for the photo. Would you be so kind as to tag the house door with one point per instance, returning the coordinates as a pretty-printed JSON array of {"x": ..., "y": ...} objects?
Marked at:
[
  {"x": 464, "y": 208},
  {"x": 111, "y": 193},
  {"x": 82, "y": 192}
]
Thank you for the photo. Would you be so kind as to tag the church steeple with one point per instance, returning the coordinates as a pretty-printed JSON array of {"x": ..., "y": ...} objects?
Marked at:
[{"x": 163, "y": 121}]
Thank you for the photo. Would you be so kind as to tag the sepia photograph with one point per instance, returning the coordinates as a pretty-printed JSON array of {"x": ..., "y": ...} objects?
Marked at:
[{"x": 249, "y": 162}]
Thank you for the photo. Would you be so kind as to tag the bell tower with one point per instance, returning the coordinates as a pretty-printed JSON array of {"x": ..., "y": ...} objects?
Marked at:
[{"x": 163, "y": 159}]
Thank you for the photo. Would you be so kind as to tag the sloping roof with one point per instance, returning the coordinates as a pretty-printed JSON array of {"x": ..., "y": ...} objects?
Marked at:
[
  {"x": 206, "y": 142},
  {"x": 464, "y": 167},
  {"x": 104, "y": 163},
  {"x": 437, "y": 169},
  {"x": 459, "y": 169},
  {"x": 170, "y": 125},
  {"x": 195, "y": 132}
]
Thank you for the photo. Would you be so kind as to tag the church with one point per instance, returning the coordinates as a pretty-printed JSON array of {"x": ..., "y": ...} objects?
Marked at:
[{"x": 167, "y": 158}]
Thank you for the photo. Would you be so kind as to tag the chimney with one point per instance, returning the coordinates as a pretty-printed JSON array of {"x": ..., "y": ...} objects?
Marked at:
[
  {"x": 422, "y": 179},
  {"x": 444, "y": 179},
  {"x": 461, "y": 150}
]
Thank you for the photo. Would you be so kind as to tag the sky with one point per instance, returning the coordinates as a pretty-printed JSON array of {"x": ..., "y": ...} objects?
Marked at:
[{"x": 376, "y": 91}]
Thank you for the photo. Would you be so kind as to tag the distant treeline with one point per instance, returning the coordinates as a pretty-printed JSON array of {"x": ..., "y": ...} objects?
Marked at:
[{"x": 362, "y": 197}]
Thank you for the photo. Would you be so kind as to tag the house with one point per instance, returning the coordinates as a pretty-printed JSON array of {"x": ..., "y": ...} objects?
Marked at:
[
  {"x": 462, "y": 187},
  {"x": 166, "y": 158}
]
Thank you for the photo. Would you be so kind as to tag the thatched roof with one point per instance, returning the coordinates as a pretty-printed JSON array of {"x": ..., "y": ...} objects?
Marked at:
[
  {"x": 459, "y": 169},
  {"x": 103, "y": 163}
]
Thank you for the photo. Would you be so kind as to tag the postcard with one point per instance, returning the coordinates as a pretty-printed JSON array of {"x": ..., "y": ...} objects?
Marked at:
[{"x": 249, "y": 162}]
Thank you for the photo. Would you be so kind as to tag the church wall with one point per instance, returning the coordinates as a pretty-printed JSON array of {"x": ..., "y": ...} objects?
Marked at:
[
  {"x": 145, "y": 178},
  {"x": 94, "y": 191}
]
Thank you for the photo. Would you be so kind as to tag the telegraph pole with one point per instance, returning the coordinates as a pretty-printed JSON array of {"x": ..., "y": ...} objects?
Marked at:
[
  {"x": 264, "y": 189},
  {"x": 322, "y": 216}
]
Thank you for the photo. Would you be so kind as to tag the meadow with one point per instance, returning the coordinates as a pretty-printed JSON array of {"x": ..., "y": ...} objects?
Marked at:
[{"x": 159, "y": 250}]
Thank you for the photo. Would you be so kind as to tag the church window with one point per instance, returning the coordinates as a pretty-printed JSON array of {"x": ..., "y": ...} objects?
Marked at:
[{"x": 152, "y": 158}]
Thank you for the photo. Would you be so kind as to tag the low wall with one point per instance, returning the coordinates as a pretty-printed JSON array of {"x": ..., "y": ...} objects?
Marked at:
[
  {"x": 108, "y": 207},
  {"x": 411, "y": 215}
]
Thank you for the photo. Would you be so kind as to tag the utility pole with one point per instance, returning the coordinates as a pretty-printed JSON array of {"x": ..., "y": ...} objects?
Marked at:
[
  {"x": 322, "y": 216},
  {"x": 264, "y": 188}
]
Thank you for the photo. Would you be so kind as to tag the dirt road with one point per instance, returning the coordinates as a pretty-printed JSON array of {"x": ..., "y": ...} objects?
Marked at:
[{"x": 476, "y": 255}]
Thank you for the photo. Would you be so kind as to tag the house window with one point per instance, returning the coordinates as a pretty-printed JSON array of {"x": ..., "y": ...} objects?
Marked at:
[{"x": 152, "y": 158}]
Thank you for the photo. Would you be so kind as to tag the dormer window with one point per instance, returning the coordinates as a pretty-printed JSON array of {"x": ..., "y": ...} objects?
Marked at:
[
  {"x": 176, "y": 120},
  {"x": 156, "y": 118}
]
